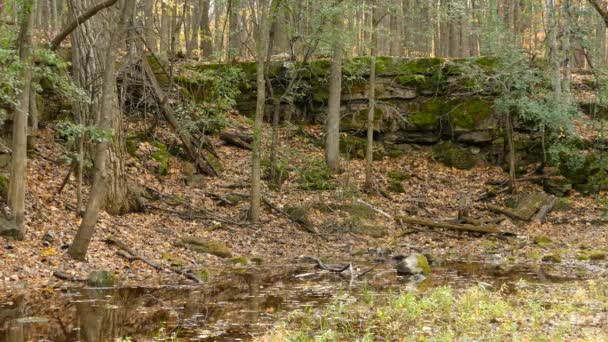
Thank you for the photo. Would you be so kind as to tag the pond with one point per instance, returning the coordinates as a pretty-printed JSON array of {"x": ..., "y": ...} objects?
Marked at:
[{"x": 236, "y": 305}]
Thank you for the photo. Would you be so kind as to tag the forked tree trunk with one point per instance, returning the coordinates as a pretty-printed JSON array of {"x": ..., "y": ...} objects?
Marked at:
[
  {"x": 102, "y": 180},
  {"x": 89, "y": 61},
  {"x": 17, "y": 183}
]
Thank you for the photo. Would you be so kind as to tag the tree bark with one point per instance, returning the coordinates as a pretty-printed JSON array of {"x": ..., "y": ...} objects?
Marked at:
[
  {"x": 601, "y": 8},
  {"x": 101, "y": 180},
  {"x": 17, "y": 182},
  {"x": 332, "y": 142},
  {"x": 261, "y": 55},
  {"x": 78, "y": 21},
  {"x": 206, "y": 45},
  {"x": 149, "y": 33},
  {"x": 369, "y": 153}
]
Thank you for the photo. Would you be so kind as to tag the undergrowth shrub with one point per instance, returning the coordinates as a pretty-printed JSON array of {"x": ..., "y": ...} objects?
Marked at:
[{"x": 315, "y": 176}]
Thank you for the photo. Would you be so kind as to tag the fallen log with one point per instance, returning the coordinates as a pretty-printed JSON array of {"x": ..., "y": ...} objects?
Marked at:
[
  {"x": 509, "y": 213},
  {"x": 452, "y": 226},
  {"x": 131, "y": 255},
  {"x": 237, "y": 139},
  {"x": 545, "y": 209},
  {"x": 200, "y": 160},
  {"x": 64, "y": 276},
  {"x": 306, "y": 225}
]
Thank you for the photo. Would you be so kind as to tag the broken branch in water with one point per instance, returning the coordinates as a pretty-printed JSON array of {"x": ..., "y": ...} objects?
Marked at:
[
  {"x": 131, "y": 255},
  {"x": 322, "y": 266}
]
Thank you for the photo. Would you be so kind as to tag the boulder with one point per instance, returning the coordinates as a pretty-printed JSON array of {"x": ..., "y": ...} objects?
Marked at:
[
  {"x": 414, "y": 264},
  {"x": 559, "y": 187},
  {"x": 8, "y": 227},
  {"x": 529, "y": 204},
  {"x": 454, "y": 155}
]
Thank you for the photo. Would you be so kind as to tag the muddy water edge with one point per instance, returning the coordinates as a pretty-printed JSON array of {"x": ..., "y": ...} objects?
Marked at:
[{"x": 237, "y": 304}]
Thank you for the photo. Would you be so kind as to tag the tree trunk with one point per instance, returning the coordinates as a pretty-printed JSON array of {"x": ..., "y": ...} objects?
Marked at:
[
  {"x": 17, "y": 183},
  {"x": 369, "y": 153},
  {"x": 149, "y": 33},
  {"x": 553, "y": 52},
  {"x": 233, "y": 34},
  {"x": 206, "y": 45},
  {"x": 511, "y": 145},
  {"x": 567, "y": 73},
  {"x": 165, "y": 27},
  {"x": 261, "y": 55},
  {"x": 332, "y": 142},
  {"x": 102, "y": 180},
  {"x": 88, "y": 61}
]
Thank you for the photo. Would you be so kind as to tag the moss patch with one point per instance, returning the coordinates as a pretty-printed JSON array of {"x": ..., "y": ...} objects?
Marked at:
[
  {"x": 471, "y": 113},
  {"x": 212, "y": 247},
  {"x": 454, "y": 155},
  {"x": 428, "y": 115}
]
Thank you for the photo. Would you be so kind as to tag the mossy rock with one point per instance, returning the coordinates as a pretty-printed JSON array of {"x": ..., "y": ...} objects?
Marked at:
[
  {"x": 454, "y": 155},
  {"x": 101, "y": 279},
  {"x": 428, "y": 115},
  {"x": 470, "y": 114},
  {"x": 395, "y": 153},
  {"x": 582, "y": 257},
  {"x": 529, "y": 204},
  {"x": 597, "y": 255},
  {"x": 300, "y": 213},
  {"x": 215, "y": 163},
  {"x": 162, "y": 156},
  {"x": 414, "y": 264},
  {"x": 559, "y": 187},
  {"x": 257, "y": 260},
  {"x": 542, "y": 240},
  {"x": 374, "y": 231},
  {"x": 240, "y": 260},
  {"x": 357, "y": 121},
  {"x": 355, "y": 148},
  {"x": 212, "y": 247},
  {"x": 553, "y": 258},
  {"x": 316, "y": 176},
  {"x": 132, "y": 144},
  {"x": 419, "y": 82},
  {"x": 203, "y": 274},
  {"x": 174, "y": 261},
  {"x": 399, "y": 175},
  {"x": 4, "y": 186},
  {"x": 357, "y": 211},
  {"x": 396, "y": 186}
]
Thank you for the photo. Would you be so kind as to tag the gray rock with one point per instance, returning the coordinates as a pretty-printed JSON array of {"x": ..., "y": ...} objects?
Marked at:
[
  {"x": 475, "y": 137},
  {"x": 101, "y": 279},
  {"x": 8, "y": 227},
  {"x": 414, "y": 264}
]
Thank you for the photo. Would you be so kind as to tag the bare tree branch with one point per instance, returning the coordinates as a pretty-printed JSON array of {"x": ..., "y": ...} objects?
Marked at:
[{"x": 79, "y": 20}]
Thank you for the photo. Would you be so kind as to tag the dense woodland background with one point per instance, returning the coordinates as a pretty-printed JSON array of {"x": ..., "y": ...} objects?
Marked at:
[{"x": 102, "y": 61}]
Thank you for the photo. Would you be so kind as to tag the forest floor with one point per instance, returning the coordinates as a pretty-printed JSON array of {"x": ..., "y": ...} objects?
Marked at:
[{"x": 575, "y": 230}]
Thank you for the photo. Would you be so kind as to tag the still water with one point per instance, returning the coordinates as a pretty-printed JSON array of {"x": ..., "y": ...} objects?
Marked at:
[{"x": 235, "y": 305}]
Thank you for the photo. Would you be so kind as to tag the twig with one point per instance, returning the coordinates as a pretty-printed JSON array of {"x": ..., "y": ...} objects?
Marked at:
[{"x": 132, "y": 256}]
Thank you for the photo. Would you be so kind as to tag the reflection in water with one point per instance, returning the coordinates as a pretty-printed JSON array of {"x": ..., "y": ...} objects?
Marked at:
[{"x": 239, "y": 306}]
